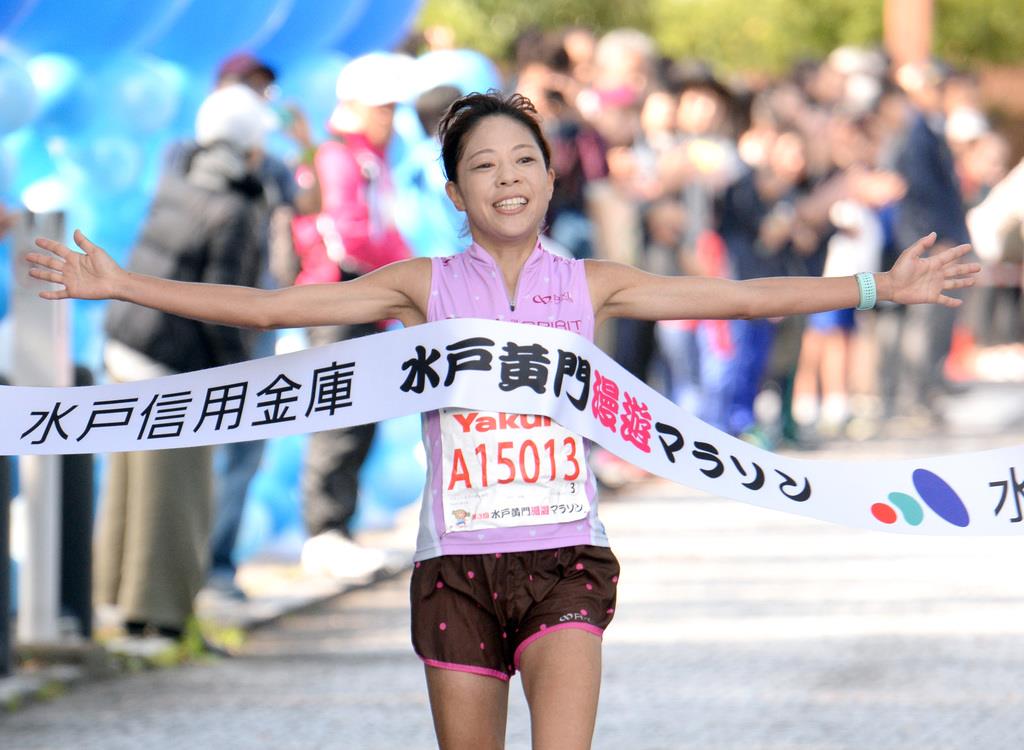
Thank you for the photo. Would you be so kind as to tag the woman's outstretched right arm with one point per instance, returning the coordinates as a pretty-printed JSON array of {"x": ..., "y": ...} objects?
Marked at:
[{"x": 398, "y": 291}]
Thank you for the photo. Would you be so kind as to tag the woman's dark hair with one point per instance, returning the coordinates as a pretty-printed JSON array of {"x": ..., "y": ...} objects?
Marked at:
[{"x": 466, "y": 112}]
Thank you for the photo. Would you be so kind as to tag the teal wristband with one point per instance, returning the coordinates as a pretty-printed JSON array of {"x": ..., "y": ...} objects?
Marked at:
[{"x": 868, "y": 293}]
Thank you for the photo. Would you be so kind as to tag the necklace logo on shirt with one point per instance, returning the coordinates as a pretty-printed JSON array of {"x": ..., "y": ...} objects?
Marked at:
[{"x": 547, "y": 299}]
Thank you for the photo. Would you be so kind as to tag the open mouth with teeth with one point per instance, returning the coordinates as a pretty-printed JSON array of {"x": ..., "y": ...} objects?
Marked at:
[{"x": 511, "y": 204}]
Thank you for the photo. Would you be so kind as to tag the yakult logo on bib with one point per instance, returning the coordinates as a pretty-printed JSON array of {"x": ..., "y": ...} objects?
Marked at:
[
  {"x": 473, "y": 422},
  {"x": 503, "y": 470}
]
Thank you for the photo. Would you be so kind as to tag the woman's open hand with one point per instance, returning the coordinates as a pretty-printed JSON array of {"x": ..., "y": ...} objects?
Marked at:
[
  {"x": 91, "y": 274},
  {"x": 915, "y": 279}
]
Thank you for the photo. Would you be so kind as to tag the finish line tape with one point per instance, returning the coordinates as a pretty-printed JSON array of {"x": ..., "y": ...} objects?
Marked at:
[{"x": 518, "y": 369}]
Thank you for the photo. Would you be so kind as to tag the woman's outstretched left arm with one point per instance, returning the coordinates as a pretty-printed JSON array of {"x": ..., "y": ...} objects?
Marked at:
[
  {"x": 620, "y": 291},
  {"x": 395, "y": 291}
]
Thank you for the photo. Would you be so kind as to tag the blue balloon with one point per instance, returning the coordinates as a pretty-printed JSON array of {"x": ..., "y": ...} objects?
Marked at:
[
  {"x": 381, "y": 27},
  {"x": 89, "y": 30},
  {"x": 55, "y": 77},
  {"x": 135, "y": 93},
  {"x": 310, "y": 26},
  {"x": 465, "y": 69},
  {"x": 395, "y": 469},
  {"x": 209, "y": 30},
  {"x": 197, "y": 88},
  {"x": 139, "y": 93},
  {"x": 28, "y": 159},
  {"x": 5, "y": 282},
  {"x": 371, "y": 513},
  {"x": 266, "y": 490},
  {"x": 17, "y": 95},
  {"x": 103, "y": 163},
  {"x": 87, "y": 333},
  {"x": 6, "y": 174},
  {"x": 117, "y": 221},
  {"x": 276, "y": 483},
  {"x": 426, "y": 217},
  {"x": 255, "y": 530},
  {"x": 66, "y": 93},
  {"x": 310, "y": 82},
  {"x": 12, "y": 12}
]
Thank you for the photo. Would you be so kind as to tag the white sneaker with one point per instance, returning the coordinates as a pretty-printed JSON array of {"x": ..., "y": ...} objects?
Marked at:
[{"x": 335, "y": 555}]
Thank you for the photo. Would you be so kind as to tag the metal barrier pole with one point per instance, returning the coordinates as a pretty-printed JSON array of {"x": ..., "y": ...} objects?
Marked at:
[
  {"x": 76, "y": 531},
  {"x": 41, "y": 357},
  {"x": 5, "y": 563}
]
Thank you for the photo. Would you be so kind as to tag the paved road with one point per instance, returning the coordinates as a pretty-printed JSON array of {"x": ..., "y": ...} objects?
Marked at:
[{"x": 737, "y": 629}]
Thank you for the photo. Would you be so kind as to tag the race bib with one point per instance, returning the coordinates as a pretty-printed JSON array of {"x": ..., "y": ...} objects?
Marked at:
[{"x": 503, "y": 470}]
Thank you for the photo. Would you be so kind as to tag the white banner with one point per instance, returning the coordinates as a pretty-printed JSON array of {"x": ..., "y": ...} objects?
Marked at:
[{"x": 489, "y": 365}]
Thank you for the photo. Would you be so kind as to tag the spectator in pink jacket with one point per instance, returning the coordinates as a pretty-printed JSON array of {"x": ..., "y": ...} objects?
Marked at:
[{"x": 353, "y": 233}]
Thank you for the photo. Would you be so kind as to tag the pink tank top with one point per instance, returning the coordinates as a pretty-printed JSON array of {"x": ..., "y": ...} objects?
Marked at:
[{"x": 501, "y": 482}]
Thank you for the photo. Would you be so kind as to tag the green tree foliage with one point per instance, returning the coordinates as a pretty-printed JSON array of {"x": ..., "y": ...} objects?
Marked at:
[
  {"x": 974, "y": 30},
  {"x": 763, "y": 35},
  {"x": 491, "y": 26}
]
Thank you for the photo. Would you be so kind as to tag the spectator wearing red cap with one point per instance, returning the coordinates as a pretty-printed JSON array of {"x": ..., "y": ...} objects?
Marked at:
[{"x": 243, "y": 67}]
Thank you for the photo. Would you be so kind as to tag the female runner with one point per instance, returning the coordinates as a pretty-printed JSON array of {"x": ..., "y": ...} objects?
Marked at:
[{"x": 532, "y": 596}]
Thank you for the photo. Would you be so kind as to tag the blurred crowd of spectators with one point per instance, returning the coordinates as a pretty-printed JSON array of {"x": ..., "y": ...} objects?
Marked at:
[{"x": 830, "y": 169}]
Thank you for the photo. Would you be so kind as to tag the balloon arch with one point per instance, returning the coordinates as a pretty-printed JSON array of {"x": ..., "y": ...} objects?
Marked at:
[{"x": 91, "y": 95}]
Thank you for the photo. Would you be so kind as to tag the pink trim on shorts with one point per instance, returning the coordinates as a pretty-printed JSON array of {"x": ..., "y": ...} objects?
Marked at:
[
  {"x": 483, "y": 671},
  {"x": 599, "y": 632}
]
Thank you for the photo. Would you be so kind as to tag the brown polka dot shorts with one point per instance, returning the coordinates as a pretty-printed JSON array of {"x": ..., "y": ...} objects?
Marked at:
[{"x": 477, "y": 613}]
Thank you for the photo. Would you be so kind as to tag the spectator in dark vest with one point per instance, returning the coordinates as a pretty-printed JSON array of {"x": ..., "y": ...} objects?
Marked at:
[{"x": 204, "y": 226}]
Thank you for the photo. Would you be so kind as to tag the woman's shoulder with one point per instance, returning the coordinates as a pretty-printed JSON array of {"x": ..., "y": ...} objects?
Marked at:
[
  {"x": 409, "y": 276},
  {"x": 600, "y": 270}
]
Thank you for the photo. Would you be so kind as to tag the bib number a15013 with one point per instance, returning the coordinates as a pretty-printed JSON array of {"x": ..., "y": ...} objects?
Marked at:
[{"x": 503, "y": 470}]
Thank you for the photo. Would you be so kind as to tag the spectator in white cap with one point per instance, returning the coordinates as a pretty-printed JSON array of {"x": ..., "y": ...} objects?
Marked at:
[
  {"x": 204, "y": 225},
  {"x": 368, "y": 88},
  {"x": 236, "y": 464},
  {"x": 353, "y": 233},
  {"x": 235, "y": 115},
  {"x": 238, "y": 115}
]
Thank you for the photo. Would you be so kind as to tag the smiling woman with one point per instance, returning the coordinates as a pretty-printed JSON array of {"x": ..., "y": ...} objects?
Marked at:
[
  {"x": 496, "y": 591},
  {"x": 499, "y": 175}
]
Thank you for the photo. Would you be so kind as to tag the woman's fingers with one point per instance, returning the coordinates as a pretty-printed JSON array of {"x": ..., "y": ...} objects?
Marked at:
[
  {"x": 917, "y": 249},
  {"x": 948, "y": 256},
  {"x": 49, "y": 261},
  {"x": 962, "y": 269},
  {"x": 84, "y": 242},
  {"x": 54, "y": 247},
  {"x": 51, "y": 276},
  {"x": 958, "y": 283},
  {"x": 949, "y": 301},
  {"x": 64, "y": 251}
]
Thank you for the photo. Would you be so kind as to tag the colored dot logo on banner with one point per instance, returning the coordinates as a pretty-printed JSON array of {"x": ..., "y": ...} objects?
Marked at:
[
  {"x": 934, "y": 492},
  {"x": 907, "y": 506},
  {"x": 941, "y": 498}
]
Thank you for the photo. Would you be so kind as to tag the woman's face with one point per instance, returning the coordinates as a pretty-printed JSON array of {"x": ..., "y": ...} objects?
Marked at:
[{"x": 502, "y": 182}]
